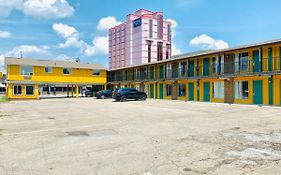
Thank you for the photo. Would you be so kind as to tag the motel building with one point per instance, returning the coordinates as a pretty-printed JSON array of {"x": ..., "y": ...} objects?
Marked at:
[
  {"x": 30, "y": 78},
  {"x": 249, "y": 74}
]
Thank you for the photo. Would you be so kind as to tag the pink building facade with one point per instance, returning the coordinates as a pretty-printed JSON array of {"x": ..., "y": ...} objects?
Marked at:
[{"x": 143, "y": 38}]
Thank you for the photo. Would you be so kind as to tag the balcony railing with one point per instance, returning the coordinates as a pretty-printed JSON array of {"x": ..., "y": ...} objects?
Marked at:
[{"x": 242, "y": 67}]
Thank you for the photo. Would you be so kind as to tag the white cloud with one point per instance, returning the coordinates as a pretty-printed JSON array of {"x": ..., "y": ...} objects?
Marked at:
[
  {"x": 62, "y": 57},
  {"x": 6, "y": 7},
  {"x": 25, "y": 50},
  {"x": 46, "y": 9},
  {"x": 175, "y": 50},
  {"x": 64, "y": 30},
  {"x": 101, "y": 44},
  {"x": 206, "y": 42},
  {"x": 5, "y": 34},
  {"x": 107, "y": 23}
]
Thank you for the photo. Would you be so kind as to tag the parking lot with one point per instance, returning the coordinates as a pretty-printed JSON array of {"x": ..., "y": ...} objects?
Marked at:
[{"x": 157, "y": 137}]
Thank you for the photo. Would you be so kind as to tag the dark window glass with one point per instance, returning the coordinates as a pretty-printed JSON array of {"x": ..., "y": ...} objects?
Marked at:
[
  {"x": 17, "y": 90},
  {"x": 168, "y": 90},
  {"x": 181, "y": 90},
  {"x": 245, "y": 89},
  {"x": 29, "y": 90}
]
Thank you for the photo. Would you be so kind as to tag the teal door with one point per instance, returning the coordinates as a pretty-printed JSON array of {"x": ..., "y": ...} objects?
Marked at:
[
  {"x": 256, "y": 61},
  {"x": 257, "y": 92},
  {"x": 191, "y": 91},
  {"x": 270, "y": 91},
  {"x": 206, "y": 67},
  {"x": 269, "y": 59},
  {"x": 206, "y": 94},
  {"x": 191, "y": 68},
  {"x": 161, "y": 92},
  {"x": 151, "y": 91}
]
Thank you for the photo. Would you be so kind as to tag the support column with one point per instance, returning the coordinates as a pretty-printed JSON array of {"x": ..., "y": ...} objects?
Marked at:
[
  {"x": 77, "y": 91},
  {"x": 72, "y": 91},
  {"x": 104, "y": 87},
  {"x": 67, "y": 91}
]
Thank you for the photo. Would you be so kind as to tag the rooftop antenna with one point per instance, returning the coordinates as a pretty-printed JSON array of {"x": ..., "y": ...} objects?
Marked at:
[{"x": 21, "y": 55}]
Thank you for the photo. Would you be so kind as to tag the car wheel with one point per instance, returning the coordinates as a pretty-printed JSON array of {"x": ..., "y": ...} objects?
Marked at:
[
  {"x": 102, "y": 97},
  {"x": 143, "y": 98},
  {"x": 123, "y": 98}
]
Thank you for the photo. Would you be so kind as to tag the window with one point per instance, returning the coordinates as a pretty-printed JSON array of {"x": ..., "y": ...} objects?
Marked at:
[
  {"x": 218, "y": 89},
  {"x": 146, "y": 88},
  {"x": 159, "y": 51},
  {"x": 182, "y": 69},
  {"x": 66, "y": 71},
  {"x": 241, "y": 90},
  {"x": 150, "y": 28},
  {"x": 168, "y": 51},
  {"x": 17, "y": 90},
  {"x": 26, "y": 70},
  {"x": 169, "y": 32},
  {"x": 215, "y": 67},
  {"x": 137, "y": 74},
  {"x": 168, "y": 70},
  {"x": 149, "y": 51},
  {"x": 96, "y": 72},
  {"x": 181, "y": 90},
  {"x": 160, "y": 26},
  {"x": 168, "y": 89},
  {"x": 244, "y": 61},
  {"x": 48, "y": 69},
  {"x": 29, "y": 90}
]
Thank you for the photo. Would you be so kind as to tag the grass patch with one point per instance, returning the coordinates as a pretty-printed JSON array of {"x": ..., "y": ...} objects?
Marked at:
[{"x": 4, "y": 99}]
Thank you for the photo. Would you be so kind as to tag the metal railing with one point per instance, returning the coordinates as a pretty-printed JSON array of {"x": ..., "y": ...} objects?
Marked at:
[{"x": 232, "y": 68}]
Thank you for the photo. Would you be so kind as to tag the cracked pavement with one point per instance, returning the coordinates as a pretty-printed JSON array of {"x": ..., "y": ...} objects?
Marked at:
[{"x": 155, "y": 137}]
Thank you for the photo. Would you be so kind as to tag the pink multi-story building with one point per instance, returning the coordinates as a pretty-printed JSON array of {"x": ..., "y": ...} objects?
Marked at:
[{"x": 143, "y": 38}]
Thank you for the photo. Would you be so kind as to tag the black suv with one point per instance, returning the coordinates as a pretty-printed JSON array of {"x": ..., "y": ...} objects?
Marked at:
[{"x": 129, "y": 93}]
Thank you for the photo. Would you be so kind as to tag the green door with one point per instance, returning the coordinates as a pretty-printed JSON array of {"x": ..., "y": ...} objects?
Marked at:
[
  {"x": 269, "y": 59},
  {"x": 256, "y": 61},
  {"x": 270, "y": 87},
  {"x": 161, "y": 92},
  {"x": 191, "y": 91},
  {"x": 206, "y": 67},
  {"x": 191, "y": 68},
  {"x": 206, "y": 94},
  {"x": 151, "y": 91},
  {"x": 257, "y": 91}
]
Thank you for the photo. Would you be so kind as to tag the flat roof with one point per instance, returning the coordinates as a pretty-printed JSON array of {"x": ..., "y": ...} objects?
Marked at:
[
  {"x": 51, "y": 63},
  {"x": 204, "y": 53}
]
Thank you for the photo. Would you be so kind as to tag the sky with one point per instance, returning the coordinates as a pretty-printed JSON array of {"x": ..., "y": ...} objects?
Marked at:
[{"x": 67, "y": 29}]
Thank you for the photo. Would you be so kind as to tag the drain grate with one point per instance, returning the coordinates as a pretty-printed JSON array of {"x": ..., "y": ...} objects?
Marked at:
[{"x": 77, "y": 133}]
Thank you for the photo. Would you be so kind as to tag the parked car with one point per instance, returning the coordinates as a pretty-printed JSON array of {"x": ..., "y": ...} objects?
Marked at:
[
  {"x": 113, "y": 92},
  {"x": 104, "y": 94},
  {"x": 124, "y": 94},
  {"x": 89, "y": 93}
]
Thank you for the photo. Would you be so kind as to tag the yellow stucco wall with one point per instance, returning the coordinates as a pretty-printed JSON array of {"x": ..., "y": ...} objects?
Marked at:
[
  {"x": 250, "y": 84},
  {"x": 57, "y": 76},
  {"x": 10, "y": 94}
]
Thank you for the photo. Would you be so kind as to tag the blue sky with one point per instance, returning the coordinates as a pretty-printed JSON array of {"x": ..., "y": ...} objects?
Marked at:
[{"x": 61, "y": 29}]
